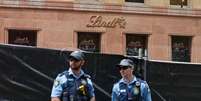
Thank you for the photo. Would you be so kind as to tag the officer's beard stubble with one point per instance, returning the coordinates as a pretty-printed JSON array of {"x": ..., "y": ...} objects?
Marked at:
[{"x": 76, "y": 66}]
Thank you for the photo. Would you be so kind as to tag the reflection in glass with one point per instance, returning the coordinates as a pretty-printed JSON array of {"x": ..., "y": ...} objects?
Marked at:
[
  {"x": 178, "y": 2},
  {"x": 89, "y": 41},
  {"x": 181, "y": 48},
  {"x": 22, "y": 37},
  {"x": 134, "y": 42}
]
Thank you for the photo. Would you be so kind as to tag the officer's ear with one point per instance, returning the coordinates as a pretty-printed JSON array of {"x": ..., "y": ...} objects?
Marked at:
[
  {"x": 82, "y": 62},
  {"x": 133, "y": 68}
]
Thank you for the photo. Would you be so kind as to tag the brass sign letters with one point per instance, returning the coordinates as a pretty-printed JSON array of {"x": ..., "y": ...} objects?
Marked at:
[{"x": 98, "y": 21}]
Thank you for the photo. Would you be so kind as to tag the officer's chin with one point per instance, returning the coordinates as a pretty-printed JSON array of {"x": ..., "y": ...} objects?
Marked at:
[
  {"x": 123, "y": 75},
  {"x": 75, "y": 68}
]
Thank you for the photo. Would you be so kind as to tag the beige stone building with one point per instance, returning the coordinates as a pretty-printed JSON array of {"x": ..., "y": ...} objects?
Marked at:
[{"x": 164, "y": 29}]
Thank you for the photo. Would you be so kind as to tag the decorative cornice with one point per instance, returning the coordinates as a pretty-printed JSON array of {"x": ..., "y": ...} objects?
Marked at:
[{"x": 100, "y": 7}]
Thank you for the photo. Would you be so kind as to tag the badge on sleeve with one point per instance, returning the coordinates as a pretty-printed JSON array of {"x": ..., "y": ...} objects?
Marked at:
[
  {"x": 56, "y": 83},
  {"x": 148, "y": 89},
  {"x": 84, "y": 82}
]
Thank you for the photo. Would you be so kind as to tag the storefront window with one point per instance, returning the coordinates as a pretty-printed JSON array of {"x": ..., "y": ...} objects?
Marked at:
[
  {"x": 178, "y": 2},
  {"x": 137, "y": 1},
  {"x": 89, "y": 41},
  {"x": 22, "y": 37},
  {"x": 135, "y": 43},
  {"x": 181, "y": 48}
]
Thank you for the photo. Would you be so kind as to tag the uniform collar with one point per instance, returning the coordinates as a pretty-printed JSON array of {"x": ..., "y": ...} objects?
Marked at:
[
  {"x": 71, "y": 73},
  {"x": 123, "y": 80}
]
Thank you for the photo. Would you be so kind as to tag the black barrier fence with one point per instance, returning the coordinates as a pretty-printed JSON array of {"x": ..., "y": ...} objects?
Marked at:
[
  {"x": 174, "y": 81},
  {"x": 27, "y": 74}
]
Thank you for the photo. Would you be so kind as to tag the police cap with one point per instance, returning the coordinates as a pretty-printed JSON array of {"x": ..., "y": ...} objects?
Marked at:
[
  {"x": 78, "y": 55},
  {"x": 126, "y": 63}
]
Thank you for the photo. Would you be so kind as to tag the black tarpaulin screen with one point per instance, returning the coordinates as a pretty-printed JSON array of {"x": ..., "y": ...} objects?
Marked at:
[{"x": 27, "y": 74}]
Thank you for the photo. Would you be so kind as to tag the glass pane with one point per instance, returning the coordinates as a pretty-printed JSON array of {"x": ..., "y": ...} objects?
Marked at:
[
  {"x": 181, "y": 48},
  {"x": 139, "y": 1},
  {"x": 134, "y": 42},
  {"x": 22, "y": 37},
  {"x": 89, "y": 41},
  {"x": 178, "y": 2}
]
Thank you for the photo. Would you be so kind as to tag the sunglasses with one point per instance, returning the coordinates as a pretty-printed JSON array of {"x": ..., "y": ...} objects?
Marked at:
[{"x": 123, "y": 67}]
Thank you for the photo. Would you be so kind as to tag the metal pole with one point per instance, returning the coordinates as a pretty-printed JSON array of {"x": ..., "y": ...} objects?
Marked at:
[
  {"x": 140, "y": 53},
  {"x": 145, "y": 64},
  {"x": 140, "y": 63}
]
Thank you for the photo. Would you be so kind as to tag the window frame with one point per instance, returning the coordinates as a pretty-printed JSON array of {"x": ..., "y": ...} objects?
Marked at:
[
  {"x": 87, "y": 35},
  {"x": 138, "y": 36},
  {"x": 32, "y": 33},
  {"x": 179, "y": 4},
  {"x": 188, "y": 44}
]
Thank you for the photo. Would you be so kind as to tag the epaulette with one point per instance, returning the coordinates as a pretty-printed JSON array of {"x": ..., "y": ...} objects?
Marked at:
[
  {"x": 87, "y": 76},
  {"x": 116, "y": 83},
  {"x": 139, "y": 81},
  {"x": 63, "y": 73}
]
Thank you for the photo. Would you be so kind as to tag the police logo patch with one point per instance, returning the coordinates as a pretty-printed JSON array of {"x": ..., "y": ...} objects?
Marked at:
[
  {"x": 56, "y": 83},
  {"x": 84, "y": 82},
  {"x": 136, "y": 90},
  {"x": 148, "y": 90}
]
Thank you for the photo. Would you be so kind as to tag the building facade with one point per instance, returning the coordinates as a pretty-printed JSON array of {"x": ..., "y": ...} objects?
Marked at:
[{"x": 160, "y": 29}]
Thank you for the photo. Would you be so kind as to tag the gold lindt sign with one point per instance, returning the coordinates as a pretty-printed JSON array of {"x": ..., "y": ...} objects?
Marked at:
[{"x": 98, "y": 21}]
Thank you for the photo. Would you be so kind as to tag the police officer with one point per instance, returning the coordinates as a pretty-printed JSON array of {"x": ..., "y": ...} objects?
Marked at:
[
  {"x": 130, "y": 88},
  {"x": 74, "y": 84}
]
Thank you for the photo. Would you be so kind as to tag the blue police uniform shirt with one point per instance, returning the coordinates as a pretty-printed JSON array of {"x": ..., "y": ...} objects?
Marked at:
[
  {"x": 61, "y": 79},
  {"x": 144, "y": 90}
]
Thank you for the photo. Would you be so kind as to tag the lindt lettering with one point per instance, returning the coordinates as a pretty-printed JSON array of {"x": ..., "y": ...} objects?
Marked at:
[{"x": 99, "y": 21}]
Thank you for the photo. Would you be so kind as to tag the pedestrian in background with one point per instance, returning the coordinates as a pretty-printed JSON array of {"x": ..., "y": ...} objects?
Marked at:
[
  {"x": 73, "y": 84},
  {"x": 129, "y": 87}
]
